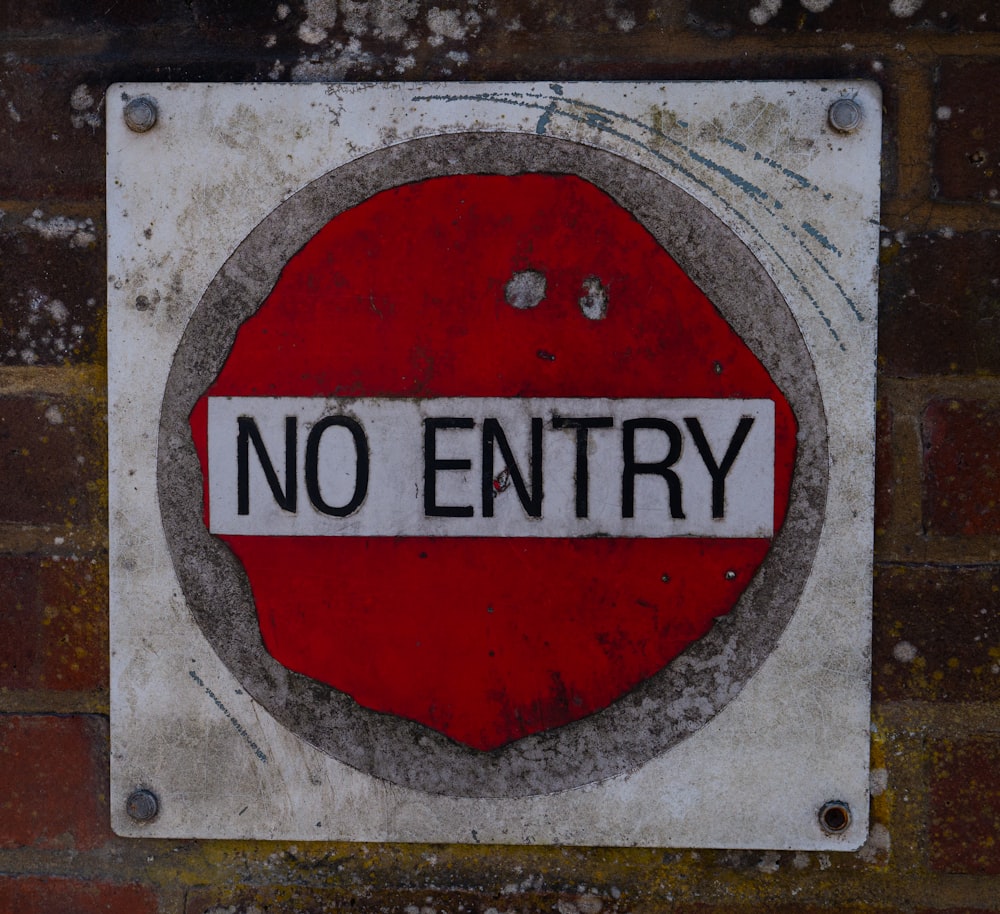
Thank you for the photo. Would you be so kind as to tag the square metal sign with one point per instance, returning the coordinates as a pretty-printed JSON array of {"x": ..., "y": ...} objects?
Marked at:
[{"x": 492, "y": 462}]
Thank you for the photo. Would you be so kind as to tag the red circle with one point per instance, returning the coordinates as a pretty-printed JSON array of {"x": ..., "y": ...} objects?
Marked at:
[{"x": 489, "y": 640}]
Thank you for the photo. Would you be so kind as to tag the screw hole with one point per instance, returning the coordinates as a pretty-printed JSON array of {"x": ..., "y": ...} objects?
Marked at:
[{"x": 835, "y": 817}]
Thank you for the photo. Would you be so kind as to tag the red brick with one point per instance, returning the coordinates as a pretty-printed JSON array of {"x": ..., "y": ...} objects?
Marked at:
[
  {"x": 936, "y": 633},
  {"x": 53, "y": 623},
  {"x": 940, "y": 304},
  {"x": 885, "y": 478},
  {"x": 51, "y": 139},
  {"x": 778, "y": 908},
  {"x": 376, "y": 899},
  {"x": 53, "y": 782},
  {"x": 46, "y": 894},
  {"x": 965, "y": 806},
  {"x": 234, "y": 15},
  {"x": 61, "y": 17},
  {"x": 967, "y": 153},
  {"x": 622, "y": 17},
  {"x": 53, "y": 292},
  {"x": 961, "y": 440},
  {"x": 723, "y": 18},
  {"x": 953, "y": 911},
  {"x": 49, "y": 461}
]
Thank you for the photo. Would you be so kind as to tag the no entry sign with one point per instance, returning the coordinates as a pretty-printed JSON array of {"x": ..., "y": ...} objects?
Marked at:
[{"x": 498, "y": 462}]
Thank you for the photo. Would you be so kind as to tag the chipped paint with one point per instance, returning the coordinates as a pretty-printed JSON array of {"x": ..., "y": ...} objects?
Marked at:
[
  {"x": 321, "y": 16},
  {"x": 342, "y": 37},
  {"x": 45, "y": 331},
  {"x": 905, "y": 8},
  {"x": 766, "y": 10},
  {"x": 594, "y": 301},
  {"x": 525, "y": 289},
  {"x": 79, "y": 232},
  {"x": 86, "y": 109}
]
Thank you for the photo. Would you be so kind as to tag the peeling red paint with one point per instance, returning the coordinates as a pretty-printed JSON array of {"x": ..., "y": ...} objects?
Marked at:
[{"x": 488, "y": 640}]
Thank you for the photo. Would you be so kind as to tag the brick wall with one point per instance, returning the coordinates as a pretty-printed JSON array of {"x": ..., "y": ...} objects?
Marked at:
[{"x": 935, "y": 843}]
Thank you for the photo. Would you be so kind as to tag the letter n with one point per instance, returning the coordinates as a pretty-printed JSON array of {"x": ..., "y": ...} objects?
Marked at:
[{"x": 248, "y": 433}]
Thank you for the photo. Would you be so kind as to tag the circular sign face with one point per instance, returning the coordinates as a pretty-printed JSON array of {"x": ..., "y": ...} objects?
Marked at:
[{"x": 492, "y": 464}]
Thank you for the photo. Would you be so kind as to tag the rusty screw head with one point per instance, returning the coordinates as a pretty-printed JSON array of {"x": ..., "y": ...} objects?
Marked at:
[
  {"x": 845, "y": 115},
  {"x": 142, "y": 805},
  {"x": 141, "y": 113},
  {"x": 835, "y": 817}
]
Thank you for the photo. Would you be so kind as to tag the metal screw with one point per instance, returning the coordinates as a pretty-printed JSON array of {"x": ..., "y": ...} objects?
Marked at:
[
  {"x": 845, "y": 115},
  {"x": 730, "y": 575},
  {"x": 142, "y": 303},
  {"x": 142, "y": 805},
  {"x": 141, "y": 113},
  {"x": 835, "y": 817}
]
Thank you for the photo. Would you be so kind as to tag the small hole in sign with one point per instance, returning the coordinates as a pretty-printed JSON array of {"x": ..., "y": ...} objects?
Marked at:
[{"x": 835, "y": 817}]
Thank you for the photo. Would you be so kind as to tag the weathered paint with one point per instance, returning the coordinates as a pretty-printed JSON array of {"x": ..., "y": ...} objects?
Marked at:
[
  {"x": 682, "y": 699},
  {"x": 400, "y": 297},
  {"x": 815, "y": 285}
]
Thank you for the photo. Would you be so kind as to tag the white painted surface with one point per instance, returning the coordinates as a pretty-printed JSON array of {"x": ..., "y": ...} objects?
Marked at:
[
  {"x": 796, "y": 736},
  {"x": 395, "y": 499}
]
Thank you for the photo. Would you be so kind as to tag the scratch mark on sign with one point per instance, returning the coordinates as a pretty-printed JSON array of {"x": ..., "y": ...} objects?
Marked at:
[
  {"x": 614, "y": 124},
  {"x": 502, "y": 482},
  {"x": 739, "y": 214},
  {"x": 742, "y": 183},
  {"x": 821, "y": 238},
  {"x": 735, "y": 144},
  {"x": 236, "y": 724},
  {"x": 826, "y": 272},
  {"x": 543, "y": 121}
]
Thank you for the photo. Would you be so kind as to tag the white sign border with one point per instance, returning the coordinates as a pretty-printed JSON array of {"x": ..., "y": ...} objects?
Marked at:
[{"x": 796, "y": 737}]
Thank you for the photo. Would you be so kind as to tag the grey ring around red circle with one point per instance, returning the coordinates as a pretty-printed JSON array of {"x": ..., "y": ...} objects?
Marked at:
[{"x": 656, "y": 715}]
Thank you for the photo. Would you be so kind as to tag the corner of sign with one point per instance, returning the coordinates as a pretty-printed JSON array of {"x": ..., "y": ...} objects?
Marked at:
[
  {"x": 868, "y": 93},
  {"x": 864, "y": 835}
]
